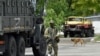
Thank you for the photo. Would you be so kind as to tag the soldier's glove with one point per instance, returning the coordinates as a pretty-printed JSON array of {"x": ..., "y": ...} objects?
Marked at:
[
  {"x": 49, "y": 40},
  {"x": 57, "y": 39},
  {"x": 46, "y": 36}
]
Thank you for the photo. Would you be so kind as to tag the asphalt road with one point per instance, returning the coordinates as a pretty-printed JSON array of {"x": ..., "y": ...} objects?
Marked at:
[
  {"x": 90, "y": 49},
  {"x": 67, "y": 49}
]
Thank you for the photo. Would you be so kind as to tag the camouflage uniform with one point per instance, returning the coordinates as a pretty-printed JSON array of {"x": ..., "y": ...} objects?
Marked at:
[{"x": 51, "y": 36}]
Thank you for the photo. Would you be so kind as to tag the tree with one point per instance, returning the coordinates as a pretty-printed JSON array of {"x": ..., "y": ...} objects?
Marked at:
[
  {"x": 86, "y": 7},
  {"x": 59, "y": 9}
]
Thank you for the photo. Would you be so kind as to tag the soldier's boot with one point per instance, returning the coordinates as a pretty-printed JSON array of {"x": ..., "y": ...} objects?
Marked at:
[
  {"x": 56, "y": 53},
  {"x": 55, "y": 50},
  {"x": 49, "y": 50}
]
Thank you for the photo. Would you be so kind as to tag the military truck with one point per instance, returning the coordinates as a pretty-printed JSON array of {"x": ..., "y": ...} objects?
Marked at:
[
  {"x": 21, "y": 27},
  {"x": 78, "y": 26}
]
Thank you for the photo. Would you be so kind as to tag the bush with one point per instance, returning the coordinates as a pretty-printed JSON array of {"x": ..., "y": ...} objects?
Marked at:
[{"x": 97, "y": 38}]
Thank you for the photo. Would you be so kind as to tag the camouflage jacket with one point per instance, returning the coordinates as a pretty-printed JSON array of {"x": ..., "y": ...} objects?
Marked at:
[{"x": 51, "y": 34}]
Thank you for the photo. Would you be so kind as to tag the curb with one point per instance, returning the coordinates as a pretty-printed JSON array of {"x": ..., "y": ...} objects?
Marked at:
[
  {"x": 98, "y": 41},
  {"x": 68, "y": 40},
  {"x": 93, "y": 40}
]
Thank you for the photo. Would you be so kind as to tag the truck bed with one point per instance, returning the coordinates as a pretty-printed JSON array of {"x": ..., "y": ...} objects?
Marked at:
[{"x": 16, "y": 23}]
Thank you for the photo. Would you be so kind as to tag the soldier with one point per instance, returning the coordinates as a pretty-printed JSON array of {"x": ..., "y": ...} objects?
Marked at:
[{"x": 52, "y": 39}]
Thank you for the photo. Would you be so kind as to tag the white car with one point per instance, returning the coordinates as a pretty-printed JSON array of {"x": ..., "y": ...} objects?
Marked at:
[{"x": 60, "y": 33}]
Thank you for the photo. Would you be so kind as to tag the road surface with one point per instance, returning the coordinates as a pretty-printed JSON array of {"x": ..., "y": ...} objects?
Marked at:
[{"x": 67, "y": 49}]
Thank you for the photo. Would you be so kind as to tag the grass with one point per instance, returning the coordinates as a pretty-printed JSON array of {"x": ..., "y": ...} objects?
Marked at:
[{"x": 97, "y": 37}]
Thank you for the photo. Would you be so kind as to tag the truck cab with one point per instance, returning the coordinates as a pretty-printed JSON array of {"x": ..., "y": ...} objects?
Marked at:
[{"x": 77, "y": 25}]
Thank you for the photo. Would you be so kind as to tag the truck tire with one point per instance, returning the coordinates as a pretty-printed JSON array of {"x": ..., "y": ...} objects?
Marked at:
[
  {"x": 92, "y": 33},
  {"x": 20, "y": 46},
  {"x": 86, "y": 33},
  {"x": 89, "y": 33},
  {"x": 35, "y": 50},
  {"x": 39, "y": 45},
  {"x": 11, "y": 47},
  {"x": 82, "y": 33},
  {"x": 72, "y": 34},
  {"x": 43, "y": 46},
  {"x": 40, "y": 50},
  {"x": 65, "y": 34}
]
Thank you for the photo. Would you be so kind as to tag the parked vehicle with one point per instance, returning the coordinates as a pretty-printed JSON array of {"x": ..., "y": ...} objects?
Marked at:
[
  {"x": 20, "y": 27},
  {"x": 78, "y": 26}
]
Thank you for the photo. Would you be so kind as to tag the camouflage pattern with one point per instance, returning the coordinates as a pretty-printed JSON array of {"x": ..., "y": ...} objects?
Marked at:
[{"x": 51, "y": 36}]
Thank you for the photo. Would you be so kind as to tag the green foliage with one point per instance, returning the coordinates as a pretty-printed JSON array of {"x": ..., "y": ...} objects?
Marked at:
[
  {"x": 86, "y": 7},
  {"x": 60, "y": 9},
  {"x": 50, "y": 15},
  {"x": 97, "y": 37}
]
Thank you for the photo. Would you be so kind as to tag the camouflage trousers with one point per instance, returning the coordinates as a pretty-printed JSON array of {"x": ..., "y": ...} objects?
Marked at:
[{"x": 53, "y": 47}]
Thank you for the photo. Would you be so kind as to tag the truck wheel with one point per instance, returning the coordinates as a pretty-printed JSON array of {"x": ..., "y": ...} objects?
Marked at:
[
  {"x": 81, "y": 34},
  {"x": 43, "y": 46},
  {"x": 71, "y": 34},
  {"x": 65, "y": 34},
  {"x": 86, "y": 35},
  {"x": 39, "y": 45},
  {"x": 89, "y": 33},
  {"x": 11, "y": 48},
  {"x": 20, "y": 46},
  {"x": 40, "y": 51},
  {"x": 35, "y": 50},
  {"x": 92, "y": 33}
]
